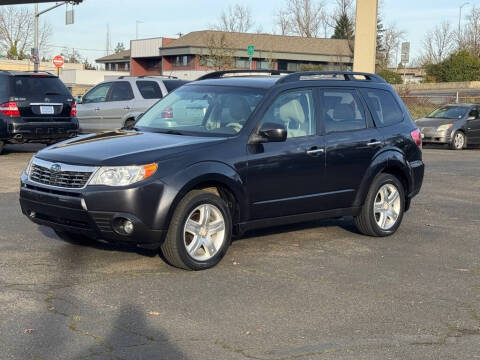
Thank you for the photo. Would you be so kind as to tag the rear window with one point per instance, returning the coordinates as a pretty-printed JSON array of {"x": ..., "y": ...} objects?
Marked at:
[
  {"x": 37, "y": 87},
  {"x": 173, "y": 84},
  {"x": 149, "y": 89},
  {"x": 384, "y": 107}
]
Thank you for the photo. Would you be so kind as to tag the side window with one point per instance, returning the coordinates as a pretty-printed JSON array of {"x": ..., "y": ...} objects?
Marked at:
[
  {"x": 97, "y": 94},
  {"x": 342, "y": 111},
  {"x": 294, "y": 110},
  {"x": 121, "y": 91},
  {"x": 149, "y": 89},
  {"x": 474, "y": 112},
  {"x": 384, "y": 106}
]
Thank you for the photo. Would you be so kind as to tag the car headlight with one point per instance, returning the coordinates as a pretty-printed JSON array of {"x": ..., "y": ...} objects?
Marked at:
[
  {"x": 444, "y": 127},
  {"x": 122, "y": 175},
  {"x": 29, "y": 166}
]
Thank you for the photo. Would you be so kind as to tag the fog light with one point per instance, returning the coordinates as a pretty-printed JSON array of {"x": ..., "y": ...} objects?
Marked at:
[{"x": 127, "y": 227}]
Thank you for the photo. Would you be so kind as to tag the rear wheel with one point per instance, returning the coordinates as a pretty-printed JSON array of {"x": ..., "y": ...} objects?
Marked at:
[
  {"x": 199, "y": 233},
  {"x": 459, "y": 141},
  {"x": 382, "y": 212}
]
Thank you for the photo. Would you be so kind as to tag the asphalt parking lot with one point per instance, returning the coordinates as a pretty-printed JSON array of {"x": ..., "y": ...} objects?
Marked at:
[{"x": 310, "y": 291}]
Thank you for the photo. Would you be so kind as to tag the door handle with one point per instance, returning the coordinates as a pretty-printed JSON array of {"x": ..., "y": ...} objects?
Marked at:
[
  {"x": 315, "y": 151},
  {"x": 127, "y": 108},
  {"x": 374, "y": 143},
  {"x": 97, "y": 109}
]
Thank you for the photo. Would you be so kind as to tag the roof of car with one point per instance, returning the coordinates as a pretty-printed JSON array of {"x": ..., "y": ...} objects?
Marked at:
[
  {"x": 263, "y": 82},
  {"x": 27, "y": 73}
]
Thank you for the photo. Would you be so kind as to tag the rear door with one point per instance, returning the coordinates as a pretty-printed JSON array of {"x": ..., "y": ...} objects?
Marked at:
[
  {"x": 120, "y": 101},
  {"x": 41, "y": 98},
  {"x": 473, "y": 126},
  {"x": 351, "y": 144},
  {"x": 88, "y": 112}
]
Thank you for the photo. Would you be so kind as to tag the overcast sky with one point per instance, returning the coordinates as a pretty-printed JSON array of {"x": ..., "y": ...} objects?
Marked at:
[{"x": 167, "y": 18}]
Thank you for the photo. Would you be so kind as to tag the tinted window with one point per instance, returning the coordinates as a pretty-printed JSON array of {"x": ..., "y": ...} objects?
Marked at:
[
  {"x": 342, "y": 110},
  {"x": 384, "y": 106},
  {"x": 149, "y": 89},
  {"x": 37, "y": 86},
  {"x": 173, "y": 84},
  {"x": 295, "y": 111},
  {"x": 121, "y": 91},
  {"x": 97, "y": 94},
  {"x": 4, "y": 93},
  {"x": 202, "y": 110}
]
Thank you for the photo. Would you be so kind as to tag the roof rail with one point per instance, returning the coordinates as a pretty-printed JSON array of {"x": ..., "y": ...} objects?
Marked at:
[
  {"x": 232, "y": 73},
  {"x": 331, "y": 75}
]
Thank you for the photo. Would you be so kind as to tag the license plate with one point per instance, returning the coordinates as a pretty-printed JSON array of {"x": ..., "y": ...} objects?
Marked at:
[{"x": 47, "y": 110}]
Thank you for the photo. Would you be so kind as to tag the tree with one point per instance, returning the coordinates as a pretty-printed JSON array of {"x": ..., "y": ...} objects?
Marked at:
[
  {"x": 219, "y": 53},
  {"x": 390, "y": 42},
  {"x": 391, "y": 77},
  {"x": 459, "y": 66},
  {"x": 119, "y": 48},
  {"x": 438, "y": 44},
  {"x": 16, "y": 32},
  {"x": 72, "y": 56},
  {"x": 343, "y": 28},
  {"x": 237, "y": 18},
  {"x": 471, "y": 37},
  {"x": 301, "y": 17}
]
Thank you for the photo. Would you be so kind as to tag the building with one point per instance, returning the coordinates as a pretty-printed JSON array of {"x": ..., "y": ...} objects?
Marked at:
[
  {"x": 79, "y": 81},
  {"x": 411, "y": 75},
  {"x": 116, "y": 62},
  {"x": 199, "y": 52}
]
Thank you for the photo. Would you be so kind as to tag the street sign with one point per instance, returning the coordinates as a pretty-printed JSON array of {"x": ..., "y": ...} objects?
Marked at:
[
  {"x": 405, "y": 52},
  {"x": 250, "y": 50},
  {"x": 58, "y": 61}
]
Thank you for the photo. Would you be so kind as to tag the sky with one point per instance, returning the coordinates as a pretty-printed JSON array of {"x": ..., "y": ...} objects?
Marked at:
[{"x": 168, "y": 18}]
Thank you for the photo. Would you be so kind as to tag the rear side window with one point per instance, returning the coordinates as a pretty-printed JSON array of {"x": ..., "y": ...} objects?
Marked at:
[
  {"x": 29, "y": 87},
  {"x": 342, "y": 111},
  {"x": 4, "y": 93},
  {"x": 173, "y": 84},
  {"x": 121, "y": 91},
  {"x": 384, "y": 107},
  {"x": 149, "y": 89}
]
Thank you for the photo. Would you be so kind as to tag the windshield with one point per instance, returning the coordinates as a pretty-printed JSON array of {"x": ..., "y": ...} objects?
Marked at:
[
  {"x": 202, "y": 110},
  {"x": 449, "y": 112}
]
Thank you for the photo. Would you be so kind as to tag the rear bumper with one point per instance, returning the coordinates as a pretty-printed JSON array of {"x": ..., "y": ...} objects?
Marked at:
[
  {"x": 19, "y": 130},
  {"x": 69, "y": 212}
]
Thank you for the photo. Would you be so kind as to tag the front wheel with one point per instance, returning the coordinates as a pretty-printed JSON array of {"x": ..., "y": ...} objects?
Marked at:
[
  {"x": 199, "y": 233},
  {"x": 459, "y": 141},
  {"x": 382, "y": 212}
]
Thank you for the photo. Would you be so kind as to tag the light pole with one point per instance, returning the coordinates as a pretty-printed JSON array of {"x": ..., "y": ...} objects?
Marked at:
[
  {"x": 138, "y": 22},
  {"x": 460, "y": 21}
]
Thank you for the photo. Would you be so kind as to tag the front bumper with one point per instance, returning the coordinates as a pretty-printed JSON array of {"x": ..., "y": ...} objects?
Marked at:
[
  {"x": 94, "y": 213},
  {"x": 432, "y": 136}
]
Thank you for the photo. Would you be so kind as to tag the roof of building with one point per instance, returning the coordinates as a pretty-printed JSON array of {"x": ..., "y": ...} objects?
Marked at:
[
  {"x": 121, "y": 56},
  {"x": 265, "y": 42}
]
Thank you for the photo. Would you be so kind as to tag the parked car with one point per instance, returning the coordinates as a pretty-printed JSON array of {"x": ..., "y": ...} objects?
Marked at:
[
  {"x": 230, "y": 154},
  {"x": 456, "y": 125},
  {"x": 117, "y": 103},
  {"x": 35, "y": 107}
]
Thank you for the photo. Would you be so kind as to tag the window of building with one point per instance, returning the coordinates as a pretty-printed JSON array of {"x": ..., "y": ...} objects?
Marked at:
[
  {"x": 116, "y": 67},
  {"x": 242, "y": 63},
  {"x": 181, "y": 60},
  {"x": 264, "y": 64}
]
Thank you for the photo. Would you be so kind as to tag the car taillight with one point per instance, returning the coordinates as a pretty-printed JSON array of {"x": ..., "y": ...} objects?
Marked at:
[
  {"x": 417, "y": 137},
  {"x": 73, "y": 112},
  {"x": 167, "y": 113},
  {"x": 10, "y": 109}
]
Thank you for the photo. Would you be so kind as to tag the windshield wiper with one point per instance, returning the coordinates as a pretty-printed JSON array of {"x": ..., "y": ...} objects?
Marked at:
[{"x": 171, "y": 132}]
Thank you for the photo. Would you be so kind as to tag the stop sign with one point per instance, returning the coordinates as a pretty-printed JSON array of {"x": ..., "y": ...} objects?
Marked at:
[{"x": 58, "y": 61}]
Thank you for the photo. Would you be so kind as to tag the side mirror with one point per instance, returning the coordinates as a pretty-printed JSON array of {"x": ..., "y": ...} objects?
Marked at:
[
  {"x": 472, "y": 118},
  {"x": 271, "y": 132}
]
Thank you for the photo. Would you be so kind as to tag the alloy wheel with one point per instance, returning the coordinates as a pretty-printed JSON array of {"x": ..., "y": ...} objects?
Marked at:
[
  {"x": 387, "y": 206},
  {"x": 459, "y": 141}
]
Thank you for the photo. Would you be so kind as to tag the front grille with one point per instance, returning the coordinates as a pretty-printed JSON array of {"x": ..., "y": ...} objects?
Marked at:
[{"x": 64, "y": 179}]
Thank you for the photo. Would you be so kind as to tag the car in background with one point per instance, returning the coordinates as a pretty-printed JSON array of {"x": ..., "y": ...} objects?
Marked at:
[
  {"x": 35, "y": 107},
  {"x": 117, "y": 103},
  {"x": 457, "y": 125}
]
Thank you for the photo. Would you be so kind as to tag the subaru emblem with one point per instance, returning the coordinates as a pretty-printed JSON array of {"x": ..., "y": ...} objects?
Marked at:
[{"x": 56, "y": 168}]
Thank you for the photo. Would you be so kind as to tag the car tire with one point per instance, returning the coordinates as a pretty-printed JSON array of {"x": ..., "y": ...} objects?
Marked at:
[
  {"x": 200, "y": 232},
  {"x": 382, "y": 212},
  {"x": 459, "y": 141}
]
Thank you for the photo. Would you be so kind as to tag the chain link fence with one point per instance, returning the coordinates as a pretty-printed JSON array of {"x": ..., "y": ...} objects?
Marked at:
[{"x": 421, "y": 105}]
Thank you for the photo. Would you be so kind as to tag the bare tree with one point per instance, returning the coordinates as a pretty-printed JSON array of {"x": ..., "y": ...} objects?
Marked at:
[
  {"x": 301, "y": 17},
  {"x": 219, "y": 53},
  {"x": 471, "y": 37},
  {"x": 236, "y": 18},
  {"x": 390, "y": 42},
  {"x": 16, "y": 32},
  {"x": 439, "y": 43}
]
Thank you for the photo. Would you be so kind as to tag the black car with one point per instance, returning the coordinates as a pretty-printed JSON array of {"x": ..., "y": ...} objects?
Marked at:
[
  {"x": 35, "y": 107},
  {"x": 456, "y": 125},
  {"x": 227, "y": 154}
]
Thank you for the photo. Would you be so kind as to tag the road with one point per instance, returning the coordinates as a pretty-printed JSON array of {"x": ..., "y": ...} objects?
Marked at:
[{"x": 310, "y": 291}]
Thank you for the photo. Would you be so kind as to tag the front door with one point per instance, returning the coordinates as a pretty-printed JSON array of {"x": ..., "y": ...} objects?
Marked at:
[
  {"x": 120, "y": 102},
  {"x": 473, "y": 127},
  {"x": 88, "y": 112},
  {"x": 351, "y": 144},
  {"x": 287, "y": 177}
]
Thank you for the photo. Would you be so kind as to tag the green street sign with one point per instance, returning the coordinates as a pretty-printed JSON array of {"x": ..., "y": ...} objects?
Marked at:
[{"x": 250, "y": 50}]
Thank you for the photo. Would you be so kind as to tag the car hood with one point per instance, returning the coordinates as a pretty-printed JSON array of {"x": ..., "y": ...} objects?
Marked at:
[
  {"x": 428, "y": 122},
  {"x": 117, "y": 148}
]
